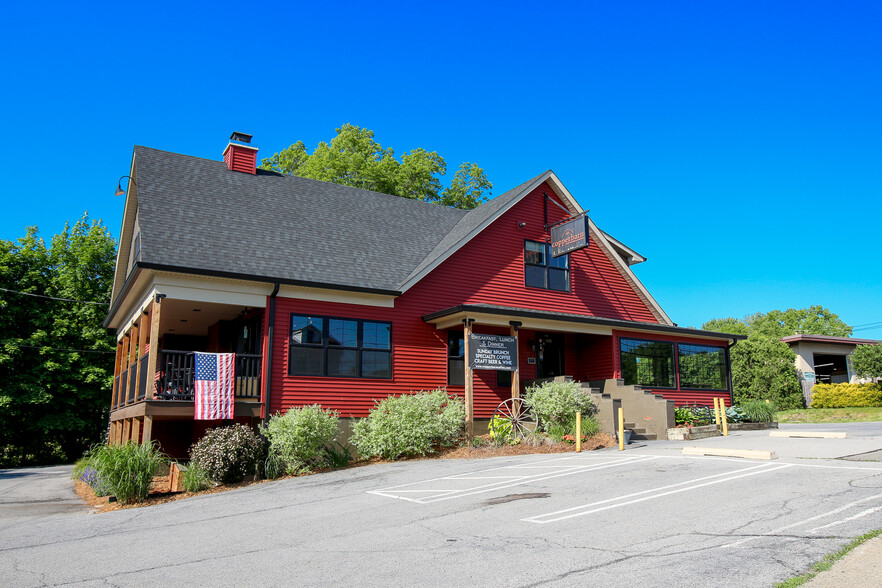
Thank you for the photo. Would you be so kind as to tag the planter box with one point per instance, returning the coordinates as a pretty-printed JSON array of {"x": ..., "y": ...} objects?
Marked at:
[
  {"x": 752, "y": 426},
  {"x": 692, "y": 433}
]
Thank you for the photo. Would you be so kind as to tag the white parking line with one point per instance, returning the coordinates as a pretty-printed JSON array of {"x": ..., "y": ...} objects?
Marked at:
[
  {"x": 838, "y": 510},
  {"x": 440, "y": 493},
  {"x": 587, "y": 509}
]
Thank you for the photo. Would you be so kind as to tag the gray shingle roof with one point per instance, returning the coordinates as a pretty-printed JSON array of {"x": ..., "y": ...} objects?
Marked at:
[{"x": 194, "y": 213}]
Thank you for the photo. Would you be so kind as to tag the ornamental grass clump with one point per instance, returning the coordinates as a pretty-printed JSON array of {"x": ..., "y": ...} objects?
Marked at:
[
  {"x": 228, "y": 454},
  {"x": 124, "y": 471},
  {"x": 758, "y": 411},
  {"x": 298, "y": 439},
  {"x": 410, "y": 424}
]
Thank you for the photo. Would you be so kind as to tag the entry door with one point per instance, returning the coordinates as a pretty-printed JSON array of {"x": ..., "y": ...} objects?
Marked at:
[{"x": 550, "y": 361}]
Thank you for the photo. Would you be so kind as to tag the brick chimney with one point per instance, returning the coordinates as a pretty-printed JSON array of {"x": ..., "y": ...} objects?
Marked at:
[{"x": 240, "y": 155}]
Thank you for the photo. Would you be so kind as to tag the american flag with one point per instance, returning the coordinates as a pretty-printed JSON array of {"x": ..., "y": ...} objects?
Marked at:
[{"x": 215, "y": 373}]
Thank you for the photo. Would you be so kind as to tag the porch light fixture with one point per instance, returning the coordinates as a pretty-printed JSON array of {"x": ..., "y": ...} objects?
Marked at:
[{"x": 119, "y": 188}]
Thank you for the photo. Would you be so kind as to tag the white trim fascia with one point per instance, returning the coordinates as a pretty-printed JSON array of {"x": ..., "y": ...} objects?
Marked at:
[
  {"x": 549, "y": 176},
  {"x": 125, "y": 233},
  {"x": 635, "y": 257},
  {"x": 600, "y": 236}
]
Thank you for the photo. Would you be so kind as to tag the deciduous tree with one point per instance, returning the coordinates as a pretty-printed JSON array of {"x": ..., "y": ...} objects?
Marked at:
[{"x": 354, "y": 158}]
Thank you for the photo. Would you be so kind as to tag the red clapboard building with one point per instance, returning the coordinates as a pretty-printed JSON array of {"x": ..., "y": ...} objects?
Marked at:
[{"x": 340, "y": 296}]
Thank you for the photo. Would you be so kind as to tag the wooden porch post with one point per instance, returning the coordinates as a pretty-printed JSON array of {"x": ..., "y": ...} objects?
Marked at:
[
  {"x": 147, "y": 433},
  {"x": 142, "y": 341},
  {"x": 136, "y": 430},
  {"x": 126, "y": 430},
  {"x": 469, "y": 381},
  {"x": 115, "y": 390},
  {"x": 127, "y": 350},
  {"x": 153, "y": 354},
  {"x": 515, "y": 374}
]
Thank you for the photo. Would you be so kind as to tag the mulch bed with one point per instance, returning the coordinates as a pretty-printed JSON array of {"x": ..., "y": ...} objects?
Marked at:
[{"x": 159, "y": 489}]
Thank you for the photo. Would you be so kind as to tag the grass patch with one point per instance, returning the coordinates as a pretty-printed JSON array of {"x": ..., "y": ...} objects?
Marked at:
[
  {"x": 828, "y": 561},
  {"x": 830, "y": 415}
]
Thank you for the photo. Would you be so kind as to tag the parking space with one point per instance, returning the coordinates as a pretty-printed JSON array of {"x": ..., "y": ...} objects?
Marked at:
[{"x": 648, "y": 515}]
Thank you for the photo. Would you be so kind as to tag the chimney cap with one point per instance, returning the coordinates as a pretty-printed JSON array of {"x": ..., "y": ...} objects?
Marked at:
[{"x": 240, "y": 137}]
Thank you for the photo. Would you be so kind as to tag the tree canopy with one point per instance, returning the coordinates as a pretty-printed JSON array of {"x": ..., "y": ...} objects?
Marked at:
[
  {"x": 763, "y": 367},
  {"x": 56, "y": 359},
  {"x": 354, "y": 158},
  {"x": 867, "y": 361}
]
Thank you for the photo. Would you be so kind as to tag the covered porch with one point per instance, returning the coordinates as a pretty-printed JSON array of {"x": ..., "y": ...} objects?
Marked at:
[{"x": 153, "y": 395}]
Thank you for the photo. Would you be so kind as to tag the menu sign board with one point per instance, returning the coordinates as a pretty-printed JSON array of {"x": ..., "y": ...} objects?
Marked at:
[
  {"x": 569, "y": 236},
  {"x": 492, "y": 352}
]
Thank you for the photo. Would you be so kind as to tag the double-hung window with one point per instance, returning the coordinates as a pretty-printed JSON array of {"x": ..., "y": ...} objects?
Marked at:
[
  {"x": 543, "y": 271},
  {"x": 339, "y": 347}
]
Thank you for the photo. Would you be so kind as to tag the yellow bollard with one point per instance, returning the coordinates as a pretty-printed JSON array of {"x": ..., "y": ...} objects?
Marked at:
[
  {"x": 717, "y": 410},
  {"x": 621, "y": 429},
  {"x": 578, "y": 432},
  {"x": 725, "y": 423}
]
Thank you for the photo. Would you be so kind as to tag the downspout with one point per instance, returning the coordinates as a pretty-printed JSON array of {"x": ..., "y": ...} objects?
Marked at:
[
  {"x": 729, "y": 372},
  {"x": 269, "y": 351}
]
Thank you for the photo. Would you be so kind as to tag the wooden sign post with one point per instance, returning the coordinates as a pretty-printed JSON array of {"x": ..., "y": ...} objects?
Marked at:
[
  {"x": 469, "y": 382},
  {"x": 515, "y": 374}
]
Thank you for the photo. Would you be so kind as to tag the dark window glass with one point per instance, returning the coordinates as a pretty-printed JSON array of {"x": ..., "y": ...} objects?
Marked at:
[
  {"x": 376, "y": 364},
  {"x": 341, "y": 363},
  {"x": 702, "y": 366},
  {"x": 503, "y": 378},
  {"x": 343, "y": 333},
  {"x": 307, "y": 361},
  {"x": 543, "y": 271},
  {"x": 455, "y": 359},
  {"x": 647, "y": 363},
  {"x": 341, "y": 348}
]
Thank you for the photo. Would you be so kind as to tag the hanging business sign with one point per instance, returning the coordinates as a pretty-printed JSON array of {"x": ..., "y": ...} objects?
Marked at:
[
  {"x": 569, "y": 236},
  {"x": 492, "y": 352}
]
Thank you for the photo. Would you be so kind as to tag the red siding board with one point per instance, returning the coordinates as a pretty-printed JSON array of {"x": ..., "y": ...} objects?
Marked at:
[{"x": 489, "y": 269}]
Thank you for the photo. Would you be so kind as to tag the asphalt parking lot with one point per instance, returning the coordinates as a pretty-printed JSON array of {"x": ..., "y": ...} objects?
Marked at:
[{"x": 646, "y": 516}]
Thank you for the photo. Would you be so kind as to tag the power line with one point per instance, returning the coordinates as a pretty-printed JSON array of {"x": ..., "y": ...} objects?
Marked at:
[
  {"x": 866, "y": 325},
  {"x": 13, "y": 343},
  {"x": 54, "y": 298}
]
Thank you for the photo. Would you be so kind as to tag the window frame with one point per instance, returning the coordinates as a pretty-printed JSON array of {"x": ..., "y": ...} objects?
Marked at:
[
  {"x": 326, "y": 346},
  {"x": 458, "y": 358},
  {"x": 675, "y": 375},
  {"x": 726, "y": 367},
  {"x": 547, "y": 267}
]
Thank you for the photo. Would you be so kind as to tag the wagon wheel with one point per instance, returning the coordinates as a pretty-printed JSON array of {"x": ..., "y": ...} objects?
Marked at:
[{"x": 513, "y": 420}]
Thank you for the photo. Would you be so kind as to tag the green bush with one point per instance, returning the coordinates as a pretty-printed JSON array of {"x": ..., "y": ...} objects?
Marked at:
[
  {"x": 846, "y": 395},
  {"x": 194, "y": 478},
  {"x": 123, "y": 471},
  {"x": 758, "y": 411},
  {"x": 228, "y": 454},
  {"x": 694, "y": 415},
  {"x": 410, "y": 424},
  {"x": 299, "y": 436},
  {"x": 867, "y": 361},
  {"x": 556, "y": 404}
]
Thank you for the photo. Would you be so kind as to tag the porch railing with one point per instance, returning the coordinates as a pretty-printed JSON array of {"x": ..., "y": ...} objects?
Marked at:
[{"x": 175, "y": 378}]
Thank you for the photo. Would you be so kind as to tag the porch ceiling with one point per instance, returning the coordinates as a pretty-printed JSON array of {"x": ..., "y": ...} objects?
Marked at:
[{"x": 186, "y": 317}]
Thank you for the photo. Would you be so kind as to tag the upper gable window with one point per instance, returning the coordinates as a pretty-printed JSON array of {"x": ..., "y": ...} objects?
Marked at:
[{"x": 543, "y": 271}]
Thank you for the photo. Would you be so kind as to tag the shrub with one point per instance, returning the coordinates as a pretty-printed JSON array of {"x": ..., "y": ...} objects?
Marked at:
[
  {"x": 556, "y": 403},
  {"x": 410, "y": 424},
  {"x": 228, "y": 454},
  {"x": 846, "y": 395},
  {"x": 123, "y": 471},
  {"x": 694, "y": 415},
  {"x": 867, "y": 361},
  {"x": 299, "y": 436},
  {"x": 194, "y": 478},
  {"x": 758, "y": 411}
]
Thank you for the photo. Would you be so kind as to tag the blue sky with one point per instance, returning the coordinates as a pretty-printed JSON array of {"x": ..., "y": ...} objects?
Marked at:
[{"x": 737, "y": 145}]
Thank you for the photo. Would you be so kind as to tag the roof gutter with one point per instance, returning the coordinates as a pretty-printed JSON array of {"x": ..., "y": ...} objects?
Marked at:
[{"x": 271, "y": 321}]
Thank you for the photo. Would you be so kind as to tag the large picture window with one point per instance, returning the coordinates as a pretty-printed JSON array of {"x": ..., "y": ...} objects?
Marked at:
[
  {"x": 543, "y": 271},
  {"x": 647, "y": 363},
  {"x": 340, "y": 348},
  {"x": 702, "y": 367}
]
